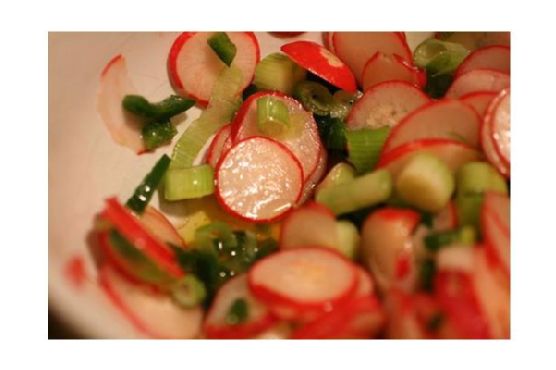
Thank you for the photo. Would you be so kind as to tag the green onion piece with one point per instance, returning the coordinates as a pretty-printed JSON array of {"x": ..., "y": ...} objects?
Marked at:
[
  {"x": 469, "y": 209},
  {"x": 224, "y": 101},
  {"x": 341, "y": 173},
  {"x": 189, "y": 183},
  {"x": 478, "y": 178},
  {"x": 344, "y": 101},
  {"x": 221, "y": 44},
  {"x": 216, "y": 234},
  {"x": 238, "y": 313},
  {"x": 161, "y": 111},
  {"x": 364, "y": 147},
  {"x": 189, "y": 291},
  {"x": 463, "y": 236},
  {"x": 156, "y": 134},
  {"x": 315, "y": 97},
  {"x": 427, "y": 273},
  {"x": 144, "y": 192},
  {"x": 332, "y": 132},
  {"x": 273, "y": 118},
  {"x": 277, "y": 72},
  {"x": 348, "y": 239}
]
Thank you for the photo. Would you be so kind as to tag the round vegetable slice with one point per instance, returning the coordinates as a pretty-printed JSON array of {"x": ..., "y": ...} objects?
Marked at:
[
  {"x": 302, "y": 140},
  {"x": 304, "y": 226},
  {"x": 498, "y": 118},
  {"x": 309, "y": 279},
  {"x": 220, "y": 144},
  {"x": 194, "y": 67},
  {"x": 495, "y": 57},
  {"x": 385, "y": 104},
  {"x": 489, "y": 145},
  {"x": 495, "y": 226},
  {"x": 479, "y": 100},
  {"x": 258, "y": 180},
  {"x": 155, "y": 222},
  {"x": 320, "y": 61},
  {"x": 222, "y": 322},
  {"x": 312, "y": 182},
  {"x": 449, "y": 119},
  {"x": 382, "y": 67},
  {"x": 478, "y": 80}
]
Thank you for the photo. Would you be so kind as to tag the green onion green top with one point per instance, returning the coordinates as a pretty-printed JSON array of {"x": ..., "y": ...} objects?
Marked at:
[
  {"x": 144, "y": 192},
  {"x": 238, "y": 313},
  {"x": 221, "y": 44},
  {"x": 161, "y": 111},
  {"x": 273, "y": 118}
]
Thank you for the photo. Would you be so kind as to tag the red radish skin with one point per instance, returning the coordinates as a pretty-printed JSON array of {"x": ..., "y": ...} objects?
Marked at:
[
  {"x": 259, "y": 318},
  {"x": 153, "y": 315},
  {"x": 385, "y": 104},
  {"x": 478, "y": 80},
  {"x": 495, "y": 57},
  {"x": 382, "y": 67},
  {"x": 258, "y": 180},
  {"x": 453, "y": 153},
  {"x": 313, "y": 180},
  {"x": 193, "y": 66},
  {"x": 489, "y": 146},
  {"x": 305, "y": 146},
  {"x": 115, "y": 84},
  {"x": 219, "y": 145},
  {"x": 306, "y": 280},
  {"x": 160, "y": 227},
  {"x": 479, "y": 101},
  {"x": 304, "y": 226},
  {"x": 444, "y": 119},
  {"x": 495, "y": 226},
  {"x": 320, "y": 61},
  {"x": 327, "y": 41},
  {"x": 355, "y": 48},
  {"x": 498, "y": 118},
  {"x": 365, "y": 283}
]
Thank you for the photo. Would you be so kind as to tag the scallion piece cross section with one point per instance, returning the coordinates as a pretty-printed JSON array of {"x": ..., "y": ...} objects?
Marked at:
[
  {"x": 221, "y": 44},
  {"x": 364, "y": 147},
  {"x": 189, "y": 183},
  {"x": 273, "y": 118}
]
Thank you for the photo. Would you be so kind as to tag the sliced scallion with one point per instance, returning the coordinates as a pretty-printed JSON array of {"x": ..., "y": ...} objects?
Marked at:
[
  {"x": 278, "y": 72},
  {"x": 188, "y": 291},
  {"x": 189, "y": 183},
  {"x": 273, "y": 118},
  {"x": 462, "y": 236},
  {"x": 158, "y": 133},
  {"x": 364, "y": 147},
  {"x": 221, "y": 44},
  {"x": 144, "y": 192}
]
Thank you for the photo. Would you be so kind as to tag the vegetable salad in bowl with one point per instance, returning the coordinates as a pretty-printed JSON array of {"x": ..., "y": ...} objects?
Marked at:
[{"x": 348, "y": 187}]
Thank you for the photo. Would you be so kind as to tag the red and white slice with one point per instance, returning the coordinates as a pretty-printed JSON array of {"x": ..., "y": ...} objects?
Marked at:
[
  {"x": 194, "y": 67},
  {"x": 313, "y": 180},
  {"x": 453, "y": 153},
  {"x": 258, "y": 320},
  {"x": 160, "y": 227},
  {"x": 494, "y": 57},
  {"x": 308, "y": 280},
  {"x": 304, "y": 142},
  {"x": 115, "y": 84},
  {"x": 220, "y": 144},
  {"x": 478, "y": 80},
  {"x": 356, "y": 48},
  {"x": 444, "y": 119},
  {"x": 495, "y": 226},
  {"x": 327, "y": 40},
  {"x": 258, "y": 180},
  {"x": 385, "y": 105},
  {"x": 313, "y": 224},
  {"x": 479, "y": 100},
  {"x": 152, "y": 314},
  {"x": 383, "y": 67},
  {"x": 498, "y": 119},
  {"x": 446, "y": 219},
  {"x": 320, "y": 61}
]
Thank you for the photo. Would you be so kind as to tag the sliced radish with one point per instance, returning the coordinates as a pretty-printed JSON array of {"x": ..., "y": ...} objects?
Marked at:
[
  {"x": 194, "y": 67},
  {"x": 402, "y": 311},
  {"x": 385, "y": 105},
  {"x": 356, "y": 48},
  {"x": 313, "y": 180},
  {"x": 495, "y": 226},
  {"x": 160, "y": 227},
  {"x": 383, "y": 67},
  {"x": 488, "y": 143},
  {"x": 386, "y": 236},
  {"x": 320, "y": 61},
  {"x": 453, "y": 153},
  {"x": 498, "y": 118},
  {"x": 124, "y": 128},
  {"x": 152, "y": 314},
  {"x": 327, "y": 41},
  {"x": 365, "y": 283},
  {"x": 305, "y": 145},
  {"x": 258, "y": 180},
  {"x": 478, "y": 80},
  {"x": 446, "y": 219},
  {"x": 310, "y": 279},
  {"x": 479, "y": 100},
  {"x": 448, "y": 119},
  {"x": 303, "y": 227},
  {"x": 258, "y": 319},
  {"x": 495, "y": 57},
  {"x": 220, "y": 144}
]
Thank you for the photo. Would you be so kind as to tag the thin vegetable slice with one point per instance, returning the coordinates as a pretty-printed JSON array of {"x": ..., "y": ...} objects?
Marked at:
[
  {"x": 144, "y": 192},
  {"x": 479, "y": 100},
  {"x": 478, "y": 80},
  {"x": 498, "y": 118},
  {"x": 495, "y": 57},
  {"x": 277, "y": 72},
  {"x": 273, "y": 118},
  {"x": 495, "y": 226},
  {"x": 313, "y": 180},
  {"x": 189, "y": 183},
  {"x": 221, "y": 44},
  {"x": 364, "y": 147},
  {"x": 381, "y": 67}
]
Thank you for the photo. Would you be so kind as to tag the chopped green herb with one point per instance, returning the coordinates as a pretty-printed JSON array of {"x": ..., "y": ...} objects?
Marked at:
[
  {"x": 144, "y": 192},
  {"x": 161, "y": 111},
  {"x": 238, "y": 313},
  {"x": 221, "y": 44}
]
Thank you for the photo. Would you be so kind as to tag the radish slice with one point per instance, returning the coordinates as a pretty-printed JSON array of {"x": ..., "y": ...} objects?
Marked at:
[
  {"x": 194, "y": 67},
  {"x": 498, "y": 118},
  {"x": 152, "y": 314},
  {"x": 447, "y": 119},
  {"x": 495, "y": 57},
  {"x": 318, "y": 60},
  {"x": 385, "y": 104},
  {"x": 305, "y": 145},
  {"x": 453, "y": 153},
  {"x": 488, "y": 143},
  {"x": 304, "y": 279},
  {"x": 314, "y": 179},
  {"x": 495, "y": 226},
  {"x": 327, "y": 41},
  {"x": 115, "y": 84},
  {"x": 258, "y": 180},
  {"x": 303, "y": 227},
  {"x": 160, "y": 227},
  {"x": 356, "y": 48},
  {"x": 365, "y": 283},
  {"x": 446, "y": 219},
  {"x": 478, "y": 80},
  {"x": 479, "y": 101},
  {"x": 382, "y": 67},
  {"x": 220, "y": 144},
  {"x": 403, "y": 320},
  {"x": 258, "y": 319}
]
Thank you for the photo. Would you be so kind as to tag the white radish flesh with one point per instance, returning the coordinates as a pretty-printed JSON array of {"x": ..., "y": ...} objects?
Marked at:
[
  {"x": 495, "y": 57},
  {"x": 312, "y": 225},
  {"x": 479, "y": 101},
  {"x": 160, "y": 227},
  {"x": 478, "y": 80},
  {"x": 382, "y": 67},
  {"x": 498, "y": 118}
]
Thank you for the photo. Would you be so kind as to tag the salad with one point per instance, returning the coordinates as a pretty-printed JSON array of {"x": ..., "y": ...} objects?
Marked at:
[{"x": 353, "y": 188}]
